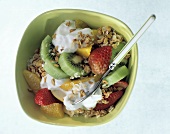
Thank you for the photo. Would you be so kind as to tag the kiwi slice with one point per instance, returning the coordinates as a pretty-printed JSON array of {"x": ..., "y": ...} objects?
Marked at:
[
  {"x": 115, "y": 76},
  {"x": 45, "y": 47},
  {"x": 80, "y": 24},
  {"x": 50, "y": 65},
  {"x": 116, "y": 51},
  {"x": 70, "y": 63}
]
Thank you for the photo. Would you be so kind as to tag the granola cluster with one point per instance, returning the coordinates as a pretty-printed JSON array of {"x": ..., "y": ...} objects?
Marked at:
[
  {"x": 35, "y": 64},
  {"x": 106, "y": 36},
  {"x": 83, "y": 40},
  {"x": 88, "y": 113}
]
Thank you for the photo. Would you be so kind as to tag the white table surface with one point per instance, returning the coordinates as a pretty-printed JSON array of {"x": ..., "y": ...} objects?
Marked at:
[{"x": 148, "y": 109}]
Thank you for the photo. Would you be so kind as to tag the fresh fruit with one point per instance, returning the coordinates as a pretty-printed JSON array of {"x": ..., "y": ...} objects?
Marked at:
[
  {"x": 121, "y": 84},
  {"x": 70, "y": 83},
  {"x": 45, "y": 47},
  {"x": 55, "y": 110},
  {"x": 80, "y": 24},
  {"x": 115, "y": 76},
  {"x": 117, "y": 50},
  {"x": 54, "y": 71},
  {"x": 45, "y": 97},
  {"x": 70, "y": 64},
  {"x": 113, "y": 97},
  {"x": 32, "y": 79},
  {"x": 49, "y": 66},
  {"x": 99, "y": 59},
  {"x": 84, "y": 52}
]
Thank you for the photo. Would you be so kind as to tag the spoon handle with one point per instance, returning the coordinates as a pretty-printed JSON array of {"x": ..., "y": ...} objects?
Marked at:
[
  {"x": 120, "y": 56},
  {"x": 130, "y": 44}
]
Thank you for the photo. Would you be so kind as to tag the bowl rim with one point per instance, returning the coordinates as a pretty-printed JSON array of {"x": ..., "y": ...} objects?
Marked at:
[{"x": 82, "y": 11}]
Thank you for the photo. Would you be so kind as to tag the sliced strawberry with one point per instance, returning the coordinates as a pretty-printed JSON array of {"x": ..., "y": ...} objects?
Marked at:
[
  {"x": 99, "y": 59},
  {"x": 114, "y": 97},
  {"x": 45, "y": 97},
  {"x": 122, "y": 84}
]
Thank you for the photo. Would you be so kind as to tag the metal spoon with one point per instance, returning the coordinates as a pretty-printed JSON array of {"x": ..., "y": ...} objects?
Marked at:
[{"x": 119, "y": 57}]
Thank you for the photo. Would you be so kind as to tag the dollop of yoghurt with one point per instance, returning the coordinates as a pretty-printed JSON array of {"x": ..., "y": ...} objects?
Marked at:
[
  {"x": 74, "y": 93},
  {"x": 65, "y": 34}
]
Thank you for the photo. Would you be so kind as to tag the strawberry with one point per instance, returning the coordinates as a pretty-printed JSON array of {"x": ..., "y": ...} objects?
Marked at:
[
  {"x": 113, "y": 97},
  {"x": 121, "y": 84},
  {"x": 99, "y": 59},
  {"x": 45, "y": 97}
]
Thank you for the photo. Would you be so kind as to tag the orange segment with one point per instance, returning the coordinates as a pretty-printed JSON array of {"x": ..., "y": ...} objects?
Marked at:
[
  {"x": 69, "y": 84},
  {"x": 55, "y": 110},
  {"x": 32, "y": 79}
]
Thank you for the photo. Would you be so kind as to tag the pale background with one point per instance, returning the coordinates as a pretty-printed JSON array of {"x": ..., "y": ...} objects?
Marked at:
[{"x": 148, "y": 109}]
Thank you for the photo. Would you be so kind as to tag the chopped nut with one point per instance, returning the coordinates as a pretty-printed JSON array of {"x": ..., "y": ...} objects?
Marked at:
[
  {"x": 87, "y": 40},
  {"x": 38, "y": 64},
  {"x": 75, "y": 91},
  {"x": 56, "y": 65},
  {"x": 101, "y": 40},
  {"x": 72, "y": 30},
  {"x": 108, "y": 28},
  {"x": 99, "y": 31},
  {"x": 114, "y": 46},
  {"x": 80, "y": 34},
  {"x": 87, "y": 69},
  {"x": 45, "y": 79},
  {"x": 68, "y": 23},
  {"x": 109, "y": 35},
  {"x": 107, "y": 94},
  {"x": 90, "y": 82},
  {"x": 56, "y": 58},
  {"x": 105, "y": 101},
  {"x": 54, "y": 36},
  {"x": 43, "y": 74},
  {"x": 53, "y": 81},
  {"x": 56, "y": 48},
  {"x": 105, "y": 40},
  {"x": 127, "y": 56},
  {"x": 104, "y": 82},
  {"x": 82, "y": 93}
]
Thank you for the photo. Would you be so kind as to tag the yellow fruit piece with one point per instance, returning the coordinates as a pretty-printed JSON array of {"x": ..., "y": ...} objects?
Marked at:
[
  {"x": 84, "y": 52},
  {"x": 32, "y": 79},
  {"x": 55, "y": 110},
  {"x": 69, "y": 84}
]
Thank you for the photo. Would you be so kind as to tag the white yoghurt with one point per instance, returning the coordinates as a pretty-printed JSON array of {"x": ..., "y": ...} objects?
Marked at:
[
  {"x": 64, "y": 38},
  {"x": 89, "y": 103}
]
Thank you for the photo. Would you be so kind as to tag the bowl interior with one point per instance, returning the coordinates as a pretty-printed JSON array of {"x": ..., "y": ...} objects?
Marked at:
[{"x": 47, "y": 23}]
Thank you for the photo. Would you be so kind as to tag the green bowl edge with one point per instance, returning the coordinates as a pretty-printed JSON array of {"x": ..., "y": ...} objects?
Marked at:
[{"x": 133, "y": 77}]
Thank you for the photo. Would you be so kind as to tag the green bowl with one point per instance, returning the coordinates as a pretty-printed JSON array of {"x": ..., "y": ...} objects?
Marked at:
[{"x": 47, "y": 23}]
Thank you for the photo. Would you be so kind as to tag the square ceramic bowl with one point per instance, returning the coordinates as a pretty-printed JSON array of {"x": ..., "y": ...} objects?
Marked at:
[{"x": 47, "y": 23}]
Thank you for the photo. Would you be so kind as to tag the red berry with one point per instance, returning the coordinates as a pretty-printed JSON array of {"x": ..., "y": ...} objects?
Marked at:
[
  {"x": 45, "y": 97},
  {"x": 122, "y": 84},
  {"x": 114, "y": 97},
  {"x": 99, "y": 59}
]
